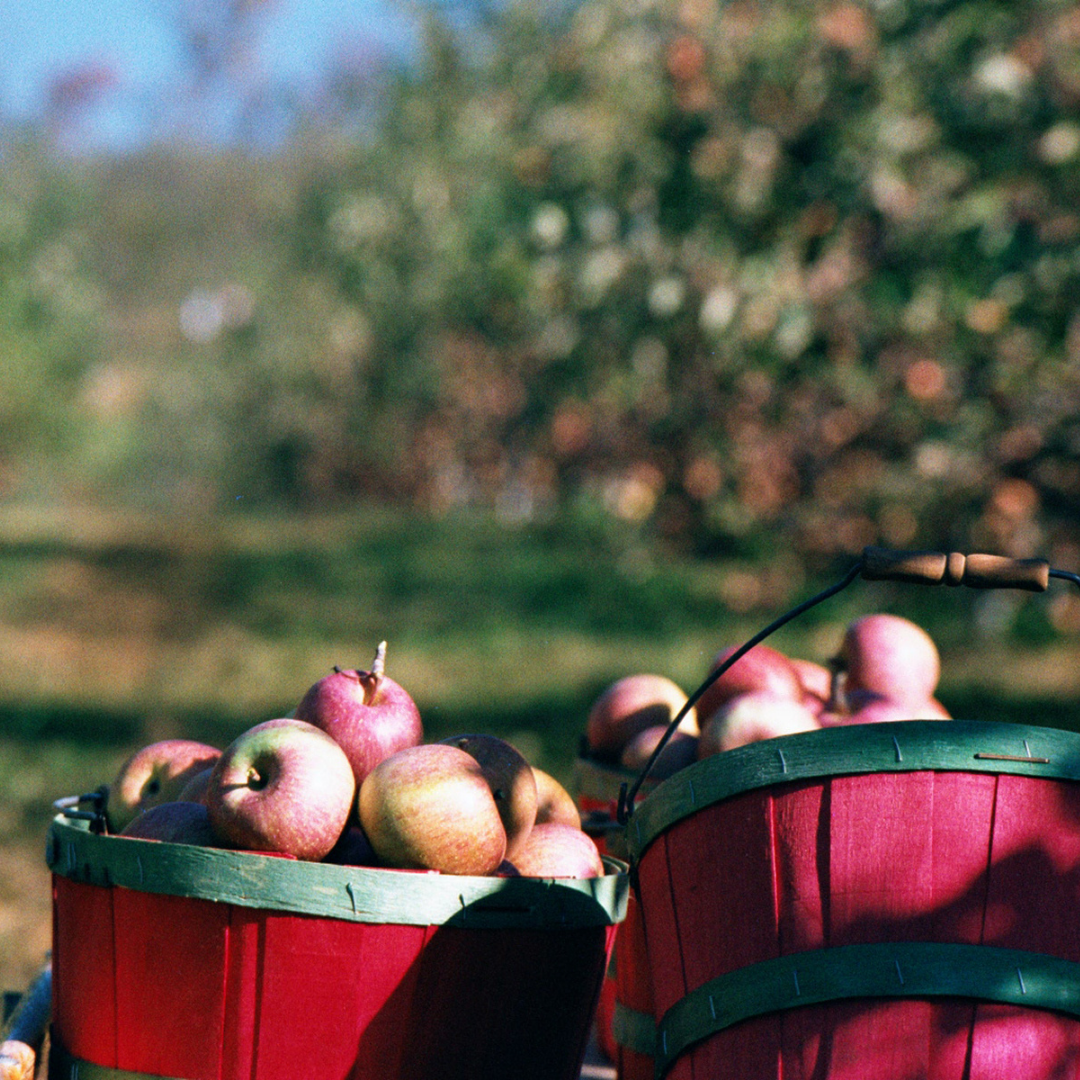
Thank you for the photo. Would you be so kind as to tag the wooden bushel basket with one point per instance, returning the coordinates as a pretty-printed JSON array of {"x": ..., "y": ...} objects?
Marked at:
[
  {"x": 633, "y": 1017},
  {"x": 202, "y": 964},
  {"x": 625, "y": 1021},
  {"x": 892, "y": 901},
  {"x": 896, "y": 901}
]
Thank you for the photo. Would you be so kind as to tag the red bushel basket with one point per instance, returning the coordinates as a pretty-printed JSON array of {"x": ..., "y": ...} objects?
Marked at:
[
  {"x": 896, "y": 901},
  {"x": 196, "y": 963},
  {"x": 625, "y": 1017}
]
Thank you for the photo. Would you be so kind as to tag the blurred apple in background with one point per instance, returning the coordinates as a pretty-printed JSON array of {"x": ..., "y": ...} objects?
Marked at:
[
  {"x": 284, "y": 786},
  {"x": 890, "y": 656},
  {"x": 816, "y": 680},
  {"x": 430, "y": 807},
  {"x": 367, "y": 713},
  {"x": 511, "y": 780},
  {"x": 154, "y": 774},
  {"x": 630, "y": 705},
  {"x": 761, "y": 669},
  {"x": 866, "y": 707},
  {"x": 679, "y": 751},
  {"x": 553, "y": 801},
  {"x": 558, "y": 851},
  {"x": 173, "y": 823},
  {"x": 751, "y": 718}
]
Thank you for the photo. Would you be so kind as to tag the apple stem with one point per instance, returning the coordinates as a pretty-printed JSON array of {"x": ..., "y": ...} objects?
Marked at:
[
  {"x": 838, "y": 699},
  {"x": 372, "y": 679}
]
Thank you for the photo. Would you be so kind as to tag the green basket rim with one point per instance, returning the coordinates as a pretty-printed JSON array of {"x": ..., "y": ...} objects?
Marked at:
[
  {"x": 352, "y": 893},
  {"x": 915, "y": 970},
  {"x": 979, "y": 746}
]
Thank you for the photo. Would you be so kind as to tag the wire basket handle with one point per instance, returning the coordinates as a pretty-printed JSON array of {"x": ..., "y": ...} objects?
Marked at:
[{"x": 878, "y": 564}]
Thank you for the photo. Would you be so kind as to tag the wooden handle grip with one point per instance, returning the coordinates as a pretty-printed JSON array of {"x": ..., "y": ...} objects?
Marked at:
[
  {"x": 18, "y": 1060},
  {"x": 952, "y": 568}
]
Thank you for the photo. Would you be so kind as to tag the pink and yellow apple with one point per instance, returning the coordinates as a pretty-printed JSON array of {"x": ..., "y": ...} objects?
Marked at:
[
  {"x": 512, "y": 782},
  {"x": 558, "y": 851},
  {"x": 173, "y": 823},
  {"x": 553, "y": 801},
  {"x": 430, "y": 807},
  {"x": 679, "y": 751},
  {"x": 154, "y": 774},
  {"x": 631, "y": 704},
  {"x": 753, "y": 717},
  {"x": 891, "y": 656},
  {"x": 760, "y": 670},
  {"x": 282, "y": 786}
]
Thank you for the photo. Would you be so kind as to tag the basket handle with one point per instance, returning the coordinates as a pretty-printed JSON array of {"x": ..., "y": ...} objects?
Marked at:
[
  {"x": 877, "y": 564},
  {"x": 939, "y": 568}
]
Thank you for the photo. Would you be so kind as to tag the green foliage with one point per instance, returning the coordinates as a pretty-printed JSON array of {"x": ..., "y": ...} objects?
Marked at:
[{"x": 746, "y": 278}]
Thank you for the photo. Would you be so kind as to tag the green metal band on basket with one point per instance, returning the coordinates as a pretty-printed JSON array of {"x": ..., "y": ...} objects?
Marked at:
[
  {"x": 64, "y": 1066},
  {"x": 899, "y": 746},
  {"x": 353, "y": 893},
  {"x": 880, "y": 970},
  {"x": 633, "y": 1030}
]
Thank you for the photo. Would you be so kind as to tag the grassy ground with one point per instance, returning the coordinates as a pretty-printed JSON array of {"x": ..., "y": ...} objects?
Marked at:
[{"x": 115, "y": 631}]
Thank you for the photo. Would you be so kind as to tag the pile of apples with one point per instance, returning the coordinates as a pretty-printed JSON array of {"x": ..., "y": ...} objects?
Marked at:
[
  {"x": 886, "y": 668},
  {"x": 348, "y": 778}
]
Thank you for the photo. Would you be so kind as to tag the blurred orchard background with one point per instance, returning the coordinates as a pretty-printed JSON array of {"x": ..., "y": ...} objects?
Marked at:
[{"x": 548, "y": 340}]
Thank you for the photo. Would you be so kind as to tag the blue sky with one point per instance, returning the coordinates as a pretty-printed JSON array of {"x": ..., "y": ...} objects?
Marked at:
[{"x": 41, "y": 39}]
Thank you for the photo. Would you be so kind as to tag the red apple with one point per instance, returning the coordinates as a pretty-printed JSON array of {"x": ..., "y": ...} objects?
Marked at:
[
  {"x": 552, "y": 850},
  {"x": 284, "y": 786},
  {"x": 174, "y": 823},
  {"x": 891, "y": 656},
  {"x": 679, "y": 751},
  {"x": 816, "y": 680},
  {"x": 751, "y": 718},
  {"x": 367, "y": 713},
  {"x": 195, "y": 789},
  {"x": 761, "y": 669},
  {"x": 430, "y": 807},
  {"x": 553, "y": 801},
  {"x": 865, "y": 707},
  {"x": 154, "y": 774},
  {"x": 512, "y": 783},
  {"x": 630, "y": 705}
]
